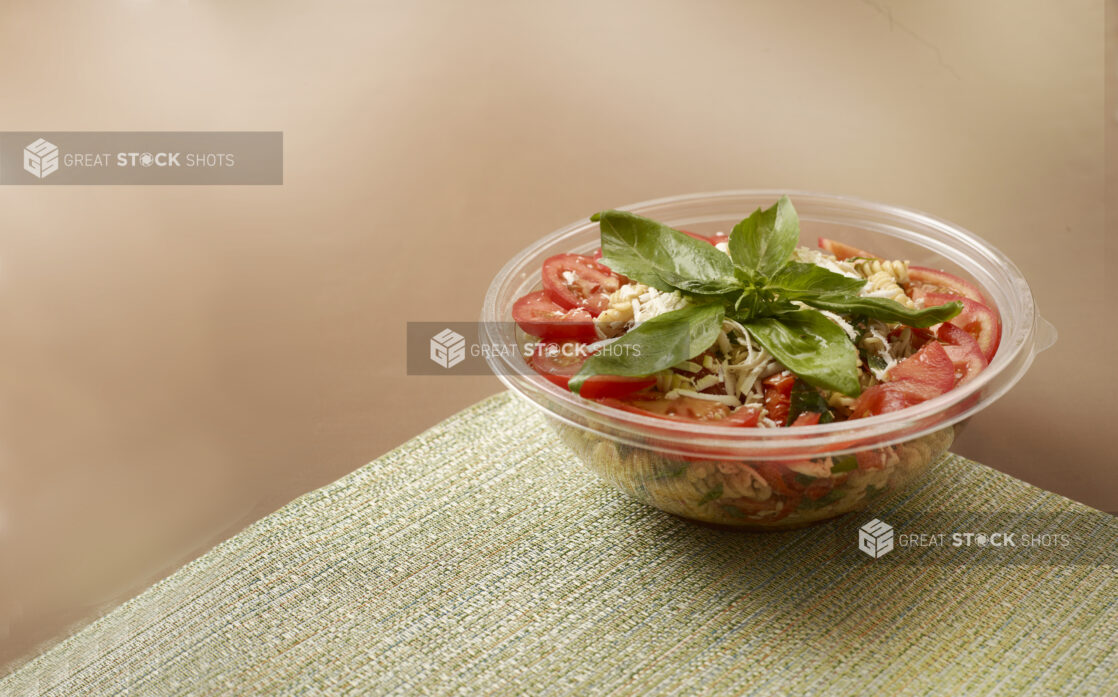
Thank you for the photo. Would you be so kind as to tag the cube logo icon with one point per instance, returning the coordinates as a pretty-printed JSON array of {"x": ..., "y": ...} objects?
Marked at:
[
  {"x": 40, "y": 158},
  {"x": 875, "y": 538},
  {"x": 448, "y": 348}
]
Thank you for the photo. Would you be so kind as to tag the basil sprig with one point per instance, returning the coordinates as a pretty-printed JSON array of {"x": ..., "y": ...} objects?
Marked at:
[{"x": 758, "y": 284}]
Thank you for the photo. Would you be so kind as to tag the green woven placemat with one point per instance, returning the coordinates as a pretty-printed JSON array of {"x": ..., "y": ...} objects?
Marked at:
[{"x": 480, "y": 558}]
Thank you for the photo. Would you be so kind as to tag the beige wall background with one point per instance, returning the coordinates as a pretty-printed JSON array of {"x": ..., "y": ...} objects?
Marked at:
[{"x": 178, "y": 362}]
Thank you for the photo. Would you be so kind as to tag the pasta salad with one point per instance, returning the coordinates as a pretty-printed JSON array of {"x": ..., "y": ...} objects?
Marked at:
[{"x": 750, "y": 329}]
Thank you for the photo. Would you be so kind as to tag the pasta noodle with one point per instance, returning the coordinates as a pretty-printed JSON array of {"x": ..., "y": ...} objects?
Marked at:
[{"x": 884, "y": 278}]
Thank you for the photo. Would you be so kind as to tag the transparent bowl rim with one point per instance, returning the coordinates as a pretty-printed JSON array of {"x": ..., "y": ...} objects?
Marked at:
[{"x": 1013, "y": 358}]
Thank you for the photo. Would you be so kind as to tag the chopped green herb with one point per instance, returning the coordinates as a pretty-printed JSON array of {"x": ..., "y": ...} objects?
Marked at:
[
  {"x": 671, "y": 473},
  {"x": 715, "y": 493},
  {"x": 731, "y": 510},
  {"x": 806, "y": 398},
  {"x": 804, "y": 480}
]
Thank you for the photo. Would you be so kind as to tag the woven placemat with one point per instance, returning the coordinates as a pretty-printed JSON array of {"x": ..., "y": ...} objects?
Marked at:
[{"x": 480, "y": 558}]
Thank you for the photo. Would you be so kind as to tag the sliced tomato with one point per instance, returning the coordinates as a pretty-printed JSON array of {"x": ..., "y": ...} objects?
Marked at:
[
  {"x": 539, "y": 315},
  {"x": 778, "y": 396},
  {"x": 979, "y": 320},
  {"x": 808, "y": 418},
  {"x": 930, "y": 365},
  {"x": 576, "y": 280},
  {"x": 688, "y": 409},
  {"x": 892, "y": 396},
  {"x": 874, "y": 459},
  {"x": 963, "y": 350},
  {"x": 842, "y": 250},
  {"x": 596, "y": 254},
  {"x": 743, "y": 416},
  {"x": 779, "y": 477},
  {"x": 819, "y": 488},
  {"x": 922, "y": 280},
  {"x": 559, "y": 361}
]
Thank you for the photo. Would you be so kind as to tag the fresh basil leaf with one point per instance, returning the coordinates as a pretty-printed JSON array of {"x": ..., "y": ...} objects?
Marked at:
[
  {"x": 811, "y": 346},
  {"x": 656, "y": 344},
  {"x": 806, "y": 398},
  {"x": 796, "y": 278},
  {"x": 762, "y": 243},
  {"x": 658, "y": 256},
  {"x": 883, "y": 309}
]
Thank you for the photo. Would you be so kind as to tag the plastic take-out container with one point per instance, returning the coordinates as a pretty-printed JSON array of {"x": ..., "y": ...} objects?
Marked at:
[{"x": 772, "y": 478}]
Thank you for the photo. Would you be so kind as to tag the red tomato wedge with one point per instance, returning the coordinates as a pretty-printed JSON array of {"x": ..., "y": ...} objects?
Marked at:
[
  {"x": 808, "y": 418},
  {"x": 930, "y": 365},
  {"x": 842, "y": 250},
  {"x": 963, "y": 350},
  {"x": 778, "y": 396},
  {"x": 576, "y": 280},
  {"x": 559, "y": 361},
  {"x": 922, "y": 280},
  {"x": 689, "y": 409},
  {"x": 892, "y": 396},
  {"x": 979, "y": 320},
  {"x": 539, "y": 315}
]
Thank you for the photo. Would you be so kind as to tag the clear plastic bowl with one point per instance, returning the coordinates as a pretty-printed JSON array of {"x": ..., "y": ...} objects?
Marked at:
[{"x": 737, "y": 476}]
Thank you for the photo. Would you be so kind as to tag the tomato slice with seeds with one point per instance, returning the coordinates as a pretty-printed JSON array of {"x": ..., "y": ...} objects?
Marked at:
[
  {"x": 979, "y": 320},
  {"x": 930, "y": 365},
  {"x": 963, "y": 350},
  {"x": 922, "y": 280},
  {"x": 576, "y": 280},
  {"x": 778, "y": 396},
  {"x": 539, "y": 315},
  {"x": 892, "y": 396},
  {"x": 925, "y": 374},
  {"x": 559, "y": 361},
  {"x": 842, "y": 250},
  {"x": 808, "y": 418}
]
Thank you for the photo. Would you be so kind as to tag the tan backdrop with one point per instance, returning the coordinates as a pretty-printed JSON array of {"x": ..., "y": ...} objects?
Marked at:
[{"x": 180, "y": 361}]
